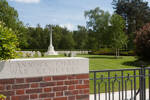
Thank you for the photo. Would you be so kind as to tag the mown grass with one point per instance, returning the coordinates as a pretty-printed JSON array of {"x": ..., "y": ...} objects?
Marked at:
[{"x": 103, "y": 62}]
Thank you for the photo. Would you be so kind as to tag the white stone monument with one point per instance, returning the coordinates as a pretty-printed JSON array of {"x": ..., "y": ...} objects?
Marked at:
[{"x": 51, "y": 50}]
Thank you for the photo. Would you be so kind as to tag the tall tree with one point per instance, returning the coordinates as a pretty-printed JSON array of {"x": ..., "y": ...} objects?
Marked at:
[
  {"x": 81, "y": 38},
  {"x": 67, "y": 42},
  {"x": 9, "y": 16},
  {"x": 142, "y": 42},
  {"x": 118, "y": 36},
  {"x": 98, "y": 23},
  {"x": 136, "y": 13}
]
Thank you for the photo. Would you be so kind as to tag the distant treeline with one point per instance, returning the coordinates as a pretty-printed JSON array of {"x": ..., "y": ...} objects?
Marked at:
[{"x": 103, "y": 30}]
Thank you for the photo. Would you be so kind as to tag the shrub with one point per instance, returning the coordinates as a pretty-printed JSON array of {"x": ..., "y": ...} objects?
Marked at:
[
  {"x": 103, "y": 51},
  {"x": 8, "y": 43},
  {"x": 142, "y": 42},
  {"x": 2, "y": 97},
  {"x": 109, "y": 51}
]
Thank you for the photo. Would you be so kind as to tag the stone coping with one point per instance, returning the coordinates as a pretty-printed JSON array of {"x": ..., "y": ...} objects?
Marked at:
[{"x": 35, "y": 67}]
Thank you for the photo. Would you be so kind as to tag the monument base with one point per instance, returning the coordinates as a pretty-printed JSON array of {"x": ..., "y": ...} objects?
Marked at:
[{"x": 51, "y": 51}]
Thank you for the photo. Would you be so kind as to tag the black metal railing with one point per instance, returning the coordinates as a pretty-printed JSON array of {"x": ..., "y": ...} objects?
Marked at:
[{"x": 123, "y": 84}]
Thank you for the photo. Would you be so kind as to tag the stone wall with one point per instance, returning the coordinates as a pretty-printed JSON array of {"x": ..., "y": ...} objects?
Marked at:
[
  {"x": 45, "y": 79},
  {"x": 37, "y": 53},
  {"x": 76, "y": 52}
]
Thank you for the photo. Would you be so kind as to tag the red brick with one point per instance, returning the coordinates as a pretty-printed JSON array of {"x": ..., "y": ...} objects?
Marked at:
[
  {"x": 59, "y": 77},
  {"x": 19, "y": 92},
  {"x": 7, "y": 93},
  {"x": 62, "y": 88},
  {"x": 71, "y": 98},
  {"x": 82, "y": 86},
  {"x": 21, "y": 80},
  {"x": 47, "y": 89},
  {"x": 82, "y": 97},
  {"x": 71, "y": 82},
  {"x": 86, "y": 81},
  {"x": 7, "y": 81},
  {"x": 86, "y": 91},
  {"x": 61, "y": 98},
  {"x": 75, "y": 92},
  {"x": 81, "y": 91},
  {"x": 23, "y": 97},
  {"x": 47, "y": 99},
  {"x": 2, "y": 87},
  {"x": 8, "y": 98},
  {"x": 48, "y": 78},
  {"x": 47, "y": 84},
  {"x": 59, "y": 93},
  {"x": 34, "y": 85},
  {"x": 8, "y": 87},
  {"x": 68, "y": 93},
  {"x": 21, "y": 86},
  {"x": 80, "y": 82},
  {"x": 38, "y": 79},
  {"x": 60, "y": 83},
  {"x": 72, "y": 77},
  {"x": 29, "y": 91},
  {"x": 72, "y": 87},
  {"x": 33, "y": 96},
  {"x": 83, "y": 76},
  {"x": 46, "y": 95}
]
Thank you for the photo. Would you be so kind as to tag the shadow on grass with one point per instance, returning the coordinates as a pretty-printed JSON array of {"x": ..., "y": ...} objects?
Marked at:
[
  {"x": 137, "y": 63},
  {"x": 105, "y": 57},
  {"x": 102, "y": 57}
]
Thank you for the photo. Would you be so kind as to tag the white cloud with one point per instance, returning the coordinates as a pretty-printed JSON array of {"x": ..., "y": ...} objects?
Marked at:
[
  {"x": 26, "y": 1},
  {"x": 69, "y": 26}
]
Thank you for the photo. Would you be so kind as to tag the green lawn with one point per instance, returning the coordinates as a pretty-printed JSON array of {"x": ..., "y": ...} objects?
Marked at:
[{"x": 101, "y": 62}]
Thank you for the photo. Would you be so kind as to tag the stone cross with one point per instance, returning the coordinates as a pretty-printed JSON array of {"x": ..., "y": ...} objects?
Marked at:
[
  {"x": 51, "y": 38},
  {"x": 51, "y": 50}
]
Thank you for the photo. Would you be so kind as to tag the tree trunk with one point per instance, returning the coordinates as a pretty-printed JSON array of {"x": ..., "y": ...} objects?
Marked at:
[{"x": 116, "y": 53}]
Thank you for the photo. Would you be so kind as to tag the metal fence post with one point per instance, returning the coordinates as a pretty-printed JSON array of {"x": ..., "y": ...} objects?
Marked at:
[
  {"x": 142, "y": 84},
  {"x": 94, "y": 85}
]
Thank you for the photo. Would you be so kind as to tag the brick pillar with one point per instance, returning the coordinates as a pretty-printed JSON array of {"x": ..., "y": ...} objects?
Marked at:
[{"x": 55, "y": 79}]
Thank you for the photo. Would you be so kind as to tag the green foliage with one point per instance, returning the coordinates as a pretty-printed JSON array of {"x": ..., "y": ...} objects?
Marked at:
[
  {"x": 98, "y": 26},
  {"x": 110, "y": 51},
  {"x": 118, "y": 36},
  {"x": 136, "y": 13},
  {"x": 2, "y": 97},
  {"x": 81, "y": 38},
  {"x": 9, "y": 16},
  {"x": 142, "y": 42},
  {"x": 8, "y": 43},
  {"x": 39, "y": 38},
  {"x": 67, "y": 42},
  {"x": 103, "y": 51},
  {"x": 19, "y": 55}
]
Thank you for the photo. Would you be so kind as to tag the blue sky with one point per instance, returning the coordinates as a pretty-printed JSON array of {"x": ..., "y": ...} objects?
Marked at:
[{"x": 68, "y": 13}]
